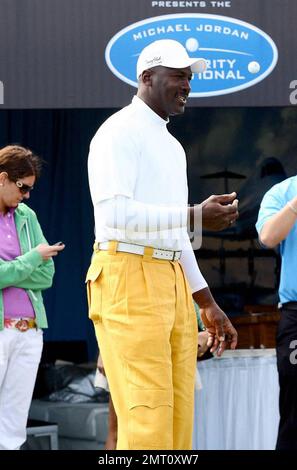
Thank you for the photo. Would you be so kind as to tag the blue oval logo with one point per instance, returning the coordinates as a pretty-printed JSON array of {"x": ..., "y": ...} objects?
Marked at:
[{"x": 238, "y": 54}]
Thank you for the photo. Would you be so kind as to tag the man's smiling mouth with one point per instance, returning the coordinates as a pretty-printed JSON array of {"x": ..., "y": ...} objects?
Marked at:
[{"x": 182, "y": 99}]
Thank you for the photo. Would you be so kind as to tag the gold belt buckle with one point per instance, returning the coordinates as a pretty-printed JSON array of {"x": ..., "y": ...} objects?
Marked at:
[{"x": 22, "y": 325}]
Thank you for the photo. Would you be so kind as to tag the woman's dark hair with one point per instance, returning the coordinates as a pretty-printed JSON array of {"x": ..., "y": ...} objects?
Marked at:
[{"x": 19, "y": 162}]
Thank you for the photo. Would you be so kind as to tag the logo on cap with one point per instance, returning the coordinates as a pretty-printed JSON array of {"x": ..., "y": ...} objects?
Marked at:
[{"x": 153, "y": 62}]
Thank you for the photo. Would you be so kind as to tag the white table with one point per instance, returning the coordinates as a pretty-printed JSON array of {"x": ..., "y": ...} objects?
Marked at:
[{"x": 237, "y": 407}]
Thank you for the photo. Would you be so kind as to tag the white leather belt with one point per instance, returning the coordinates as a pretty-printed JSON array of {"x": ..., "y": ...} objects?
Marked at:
[{"x": 158, "y": 253}]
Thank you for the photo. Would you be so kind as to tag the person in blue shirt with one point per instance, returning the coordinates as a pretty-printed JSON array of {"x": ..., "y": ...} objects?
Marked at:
[{"x": 277, "y": 227}]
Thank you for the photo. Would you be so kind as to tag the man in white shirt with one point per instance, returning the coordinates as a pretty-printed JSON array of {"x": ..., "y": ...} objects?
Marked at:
[{"x": 144, "y": 273}]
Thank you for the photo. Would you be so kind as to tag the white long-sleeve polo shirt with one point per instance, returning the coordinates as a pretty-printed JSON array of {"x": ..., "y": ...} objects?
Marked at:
[{"x": 138, "y": 184}]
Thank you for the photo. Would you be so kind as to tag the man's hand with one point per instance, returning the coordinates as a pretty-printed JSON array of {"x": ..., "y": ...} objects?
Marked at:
[
  {"x": 220, "y": 329},
  {"x": 221, "y": 333},
  {"x": 219, "y": 212}
]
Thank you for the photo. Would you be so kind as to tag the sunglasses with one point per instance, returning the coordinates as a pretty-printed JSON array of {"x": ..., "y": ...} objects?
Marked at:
[{"x": 24, "y": 188}]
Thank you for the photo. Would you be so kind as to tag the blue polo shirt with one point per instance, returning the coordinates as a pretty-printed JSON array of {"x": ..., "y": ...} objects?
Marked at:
[{"x": 273, "y": 201}]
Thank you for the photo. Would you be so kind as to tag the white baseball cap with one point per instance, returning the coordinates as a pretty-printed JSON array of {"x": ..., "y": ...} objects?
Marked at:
[{"x": 168, "y": 53}]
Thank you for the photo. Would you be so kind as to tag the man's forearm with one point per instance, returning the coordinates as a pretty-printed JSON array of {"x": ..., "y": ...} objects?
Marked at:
[
  {"x": 203, "y": 297},
  {"x": 124, "y": 213},
  {"x": 277, "y": 228}
]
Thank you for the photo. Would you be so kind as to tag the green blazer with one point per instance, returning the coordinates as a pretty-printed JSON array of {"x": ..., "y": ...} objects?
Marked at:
[{"x": 28, "y": 271}]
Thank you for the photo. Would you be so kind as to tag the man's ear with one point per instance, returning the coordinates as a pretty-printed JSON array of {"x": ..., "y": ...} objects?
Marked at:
[{"x": 146, "y": 77}]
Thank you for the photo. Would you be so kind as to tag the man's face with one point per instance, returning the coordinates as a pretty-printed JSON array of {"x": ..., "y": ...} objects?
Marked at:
[{"x": 169, "y": 90}]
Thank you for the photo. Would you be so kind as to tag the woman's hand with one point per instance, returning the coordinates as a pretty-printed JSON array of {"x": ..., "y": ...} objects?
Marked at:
[
  {"x": 48, "y": 251},
  {"x": 203, "y": 345},
  {"x": 100, "y": 365}
]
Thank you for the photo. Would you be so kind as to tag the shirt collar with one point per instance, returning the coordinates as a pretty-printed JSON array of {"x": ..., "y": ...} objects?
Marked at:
[
  {"x": 154, "y": 117},
  {"x": 10, "y": 211}
]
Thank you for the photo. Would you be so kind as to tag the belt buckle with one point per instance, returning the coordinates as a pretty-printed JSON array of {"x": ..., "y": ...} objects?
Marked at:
[
  {"x": 176, "y": 255},
  {"x": 22, "y": 325}
]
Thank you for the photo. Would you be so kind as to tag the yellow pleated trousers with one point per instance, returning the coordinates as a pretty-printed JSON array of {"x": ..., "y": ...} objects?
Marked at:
[{"x": 146, "y": 328}]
